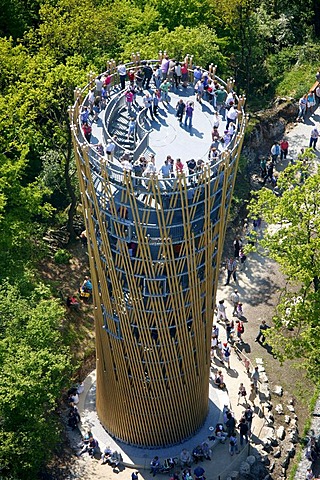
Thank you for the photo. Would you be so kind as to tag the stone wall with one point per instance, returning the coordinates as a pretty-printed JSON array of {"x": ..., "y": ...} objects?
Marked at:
[{"x": 267, "y": 126}]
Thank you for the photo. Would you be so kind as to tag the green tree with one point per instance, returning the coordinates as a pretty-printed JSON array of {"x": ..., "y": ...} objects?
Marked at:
[
  {"x": 34, "y": 367},
  {"x": 292, "y": 239},
  {"x": 201, "y": 42}
]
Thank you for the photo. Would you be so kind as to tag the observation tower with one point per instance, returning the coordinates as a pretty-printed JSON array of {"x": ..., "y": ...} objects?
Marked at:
[{"x": 154, "y": 246}]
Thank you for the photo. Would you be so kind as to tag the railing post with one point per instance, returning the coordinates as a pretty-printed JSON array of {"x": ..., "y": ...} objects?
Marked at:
[
  {"x": 91, "y": 77},
  {"x": 77, "y": 101}
]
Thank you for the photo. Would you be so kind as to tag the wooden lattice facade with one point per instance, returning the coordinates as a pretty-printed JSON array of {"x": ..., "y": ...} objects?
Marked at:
[{"x": 154, "y": 249}]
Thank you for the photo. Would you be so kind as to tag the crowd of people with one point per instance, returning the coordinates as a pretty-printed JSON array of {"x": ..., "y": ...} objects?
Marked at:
[
  {"x": 227, "y": 432},
  {"x": 169, "y": 75}
]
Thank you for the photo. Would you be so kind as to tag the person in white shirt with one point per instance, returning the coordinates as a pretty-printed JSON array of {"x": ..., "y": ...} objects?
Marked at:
[
  {"x": 177, "y": 74},
  {"x": 232, "y": 115},
  {"x": 235, "y": 299},
  {"x": 110, "y": 149},
  {"x": 275, "y": 151},
  {"x": 150, "y": 170},
  {"x": 91, "y": 98},
  {"x": 122, "y": 72},
  {"x": 147, "y": 101},
  {"x": 314, "y": 138},
  {"x": 221, "y": 311},
  {"x": 216, "y": 120},
  {"x": 99, "y": 83},
  {"x": 230, "y": 99}
]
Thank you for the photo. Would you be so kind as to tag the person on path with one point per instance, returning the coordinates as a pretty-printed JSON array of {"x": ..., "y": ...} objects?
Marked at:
[
  {"x": 240, "y": 311},
  {"x": 220, "y": 97},
  {"x": 110, "y": 148},
  {"x": 215, "y": 331},
  {"x": 189, "y": 114},
  {"x": 139, "y": 79},
  {"x": 242, "y": 393},
  {"x": 185, "y": 458},
  {"x": 221, "y": 311},
  {"x": 87, "y": 130},
  {"x": 177, "y": 74},
  {"x": 284, "y": 145},
  {"x": 226, "y": 352},
  {"x": 243, "y": 429},
  {"x": 184, "y": 74},
  {"x": 302, "y": 108},
  {"x": 147, "y": 101},
  {"x": 231, "y": 267},
  {"x": 214, "y": 346},
  {"x": 147, "y": 70},
  {"x": 179, "y": 166},
  {"x": 233, "y": 444},
  {"x": 235, "y": 299},
  {"x": 232, "y": 115},
  {"x": 155, "y": 100},
  {"x": 165, "y": 170},
  {"x": 107, "y": 84},
  {"x": 230, "y": 423},
  {"x": 248, "y": 416},
  {"x": 219, "y": 381},
  {"x": 255, "y": 378},
  {"x": 252, "y": 394},
  {"x": 262, "y": 328},
  {"x": 270, "y": 169},
  {"x": 165, "y": 87},
  {"x": 263, "y": 167},
  {"x": 243, "y": 258},
  {"x": 311, "y": 102},
  {"x": 237, "y": 244},
  {"x": 165, "y": 67},
  {"x": 129, "y": 100},
  {"x": 275, "y": 152},
  {"x": 154, "y": 465},
  {"x": 229, "y": 330},
  {"x": 131, "y": 127},
  {"x": 314, "y": 138},
  {"x": 180, "y": 108},
  {"x": 197, "y": 75},
  {"x": 122, "y": 72},
  {"x": 240, "y": 330}
]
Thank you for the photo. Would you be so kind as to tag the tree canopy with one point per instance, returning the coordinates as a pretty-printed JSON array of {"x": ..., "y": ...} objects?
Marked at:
[{"x": 292, "y": 239}]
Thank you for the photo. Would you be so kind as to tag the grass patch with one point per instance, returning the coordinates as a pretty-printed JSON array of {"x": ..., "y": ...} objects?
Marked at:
[{"x": 298, "y": 81}]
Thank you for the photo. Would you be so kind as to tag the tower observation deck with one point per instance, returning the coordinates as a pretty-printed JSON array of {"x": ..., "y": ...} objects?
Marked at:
[{"x": 154, "y": 246}]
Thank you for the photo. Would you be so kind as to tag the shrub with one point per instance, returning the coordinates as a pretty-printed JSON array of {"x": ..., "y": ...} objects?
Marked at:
[{"x": 62, "y": 256}]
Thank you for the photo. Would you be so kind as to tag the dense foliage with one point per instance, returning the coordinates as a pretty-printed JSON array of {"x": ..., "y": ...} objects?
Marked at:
[
  {"x": 46, "y": 48},
  {"x": 292, "y": 239}
]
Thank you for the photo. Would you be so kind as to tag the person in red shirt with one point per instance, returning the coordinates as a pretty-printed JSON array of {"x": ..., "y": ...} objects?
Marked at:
[
  {"x": 86, "y": 128},
  {"x": 179, "y": 166},
  {"x": 284, "y": 145},
  {"x": 131, "y": 76}
]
